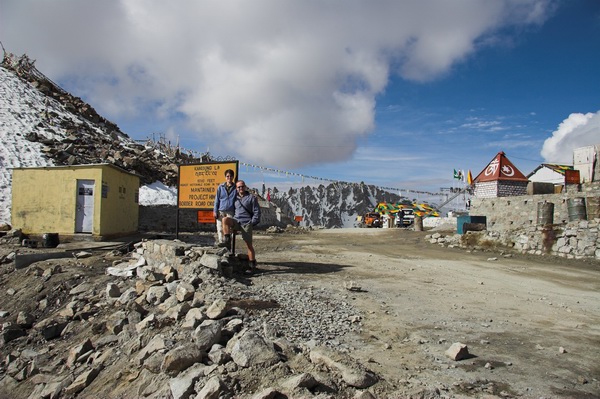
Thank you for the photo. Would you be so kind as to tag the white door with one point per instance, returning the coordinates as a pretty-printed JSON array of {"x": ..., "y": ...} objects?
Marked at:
[{"x": 84, "y": 216}]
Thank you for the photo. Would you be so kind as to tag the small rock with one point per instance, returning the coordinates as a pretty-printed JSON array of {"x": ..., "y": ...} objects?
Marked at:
[
  {"x": 112, "y": 290},
  {"x": 217, "y": 310},
  {"x": 82, "y": 254},
  {"x": 352, "y": 286},
  {"x": 457, "y": 351}
]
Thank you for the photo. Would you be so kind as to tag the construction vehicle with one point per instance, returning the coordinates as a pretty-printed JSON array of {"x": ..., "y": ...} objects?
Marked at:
[
  {"x": 405, "y": 217},
  {"x": 371, "y": 219}
]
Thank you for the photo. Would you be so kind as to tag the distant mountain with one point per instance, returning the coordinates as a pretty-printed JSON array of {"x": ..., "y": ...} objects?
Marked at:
[
  {"x": 335, "y": 205},
  {"x": 43, "y": 125}
]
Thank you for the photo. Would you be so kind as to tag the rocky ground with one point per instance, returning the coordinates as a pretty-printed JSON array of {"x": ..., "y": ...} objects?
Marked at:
[{"x": 339, "y": 313}]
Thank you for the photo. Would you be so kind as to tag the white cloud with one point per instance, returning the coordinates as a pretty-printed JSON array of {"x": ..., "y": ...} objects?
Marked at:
[
  {"x": 280, "y": 82},
  {"x": 483, "y": 125},
  {"x": 578, "y": 130}
]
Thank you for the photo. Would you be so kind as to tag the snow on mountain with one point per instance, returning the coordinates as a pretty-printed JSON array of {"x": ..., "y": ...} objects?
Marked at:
[
  {"x": 23, "y": 110},
  {"x": 335, "y": 205},
  {"x": 158, "y": 193}
]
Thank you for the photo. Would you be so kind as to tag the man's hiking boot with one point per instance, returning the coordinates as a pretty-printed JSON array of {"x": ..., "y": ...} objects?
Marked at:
[
  {"x": 251, "y": 267},
  {"x": 226, "y": 243}
]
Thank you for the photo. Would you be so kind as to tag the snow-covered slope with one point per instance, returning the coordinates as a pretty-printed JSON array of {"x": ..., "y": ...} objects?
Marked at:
[{"x": 23, "y": 110}]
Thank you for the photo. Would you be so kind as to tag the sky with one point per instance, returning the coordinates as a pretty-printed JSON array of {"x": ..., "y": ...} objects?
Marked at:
[{"x": 393, "y": 93}]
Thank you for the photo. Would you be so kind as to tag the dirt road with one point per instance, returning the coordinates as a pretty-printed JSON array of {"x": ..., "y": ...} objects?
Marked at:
[{"x": 531, "y": 324}]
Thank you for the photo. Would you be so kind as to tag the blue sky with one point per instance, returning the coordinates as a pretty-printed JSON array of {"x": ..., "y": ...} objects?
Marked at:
[{"x": 392, "y": 93}]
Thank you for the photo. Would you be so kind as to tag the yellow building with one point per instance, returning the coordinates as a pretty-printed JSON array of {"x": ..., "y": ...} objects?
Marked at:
[{"x": 99, "y": 199}]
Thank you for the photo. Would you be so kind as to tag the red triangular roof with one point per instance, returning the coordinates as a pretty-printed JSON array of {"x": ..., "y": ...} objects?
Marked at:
[{"x": 500, "y": 168}]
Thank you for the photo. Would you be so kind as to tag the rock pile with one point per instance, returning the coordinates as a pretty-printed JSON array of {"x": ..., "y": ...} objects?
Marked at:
[
  {"x": 92, "y": 139},
  {"x": 174, "y": 320}
]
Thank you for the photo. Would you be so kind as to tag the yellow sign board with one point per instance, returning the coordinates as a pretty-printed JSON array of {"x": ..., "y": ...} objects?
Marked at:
[{"x": 198, "y": 183}]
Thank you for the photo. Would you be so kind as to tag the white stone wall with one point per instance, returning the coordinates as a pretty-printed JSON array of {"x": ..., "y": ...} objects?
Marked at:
[
  {"x": 500, "y": 188},
  {"x": 574, "y": 240},
  {"x": 488, "y": 189}
]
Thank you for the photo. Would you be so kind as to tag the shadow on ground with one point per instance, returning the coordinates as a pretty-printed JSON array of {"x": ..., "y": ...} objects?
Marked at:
[{"x": 265, "y": 268}]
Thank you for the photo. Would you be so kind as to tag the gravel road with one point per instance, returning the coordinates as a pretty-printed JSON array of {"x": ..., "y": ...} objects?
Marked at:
[{"x": 531, "y": 324}]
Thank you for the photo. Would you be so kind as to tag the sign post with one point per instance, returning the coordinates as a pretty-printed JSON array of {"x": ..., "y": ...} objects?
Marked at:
[{"x": 197, "y": 185}]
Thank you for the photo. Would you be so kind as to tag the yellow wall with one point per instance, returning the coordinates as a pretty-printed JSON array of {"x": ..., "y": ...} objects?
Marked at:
[
  {"x": 44, "y": 199},
  {"x": 120, "y": 209}
]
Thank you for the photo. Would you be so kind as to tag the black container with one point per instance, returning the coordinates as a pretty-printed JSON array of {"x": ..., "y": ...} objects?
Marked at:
[
  {"x": 50, "y": 240},
  {"x": 466, "y": 219}
]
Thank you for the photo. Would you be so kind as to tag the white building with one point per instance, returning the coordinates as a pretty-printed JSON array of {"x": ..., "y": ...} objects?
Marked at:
[
  {"x": 585, "y": 160},
  {"x": 549, "y": 173}
]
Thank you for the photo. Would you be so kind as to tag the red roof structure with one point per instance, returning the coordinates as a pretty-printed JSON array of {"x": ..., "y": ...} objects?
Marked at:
[{"x": 500, "y": 168}]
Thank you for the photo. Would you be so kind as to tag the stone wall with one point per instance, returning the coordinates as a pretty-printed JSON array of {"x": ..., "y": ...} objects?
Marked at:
[
  {"x": 574, "y": 240},
  {"x": 521, "y": 223},
  {"x": 517, "y": 212},
  {"x": 163, "y": 218}
]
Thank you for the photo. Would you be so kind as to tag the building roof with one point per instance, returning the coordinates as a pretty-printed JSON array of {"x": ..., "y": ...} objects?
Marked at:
[
  {"x": 418, "y": 209},
  {"x": 81, "y": 166},
  {"x": 500, "y": 168},
  {"x": 554, "y": 167}
]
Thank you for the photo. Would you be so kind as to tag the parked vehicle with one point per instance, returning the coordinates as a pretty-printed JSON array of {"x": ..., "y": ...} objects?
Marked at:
[
  {"x": 405, "y": 218},
  {"x": 371, "y": 219}
]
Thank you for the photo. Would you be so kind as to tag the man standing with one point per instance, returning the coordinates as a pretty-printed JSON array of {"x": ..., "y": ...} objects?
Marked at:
[
  {"x": 247, "y": 215},
  {"x": 224, "y": 199}
]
